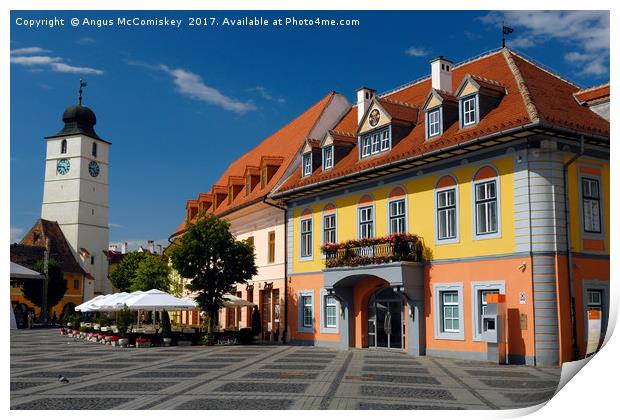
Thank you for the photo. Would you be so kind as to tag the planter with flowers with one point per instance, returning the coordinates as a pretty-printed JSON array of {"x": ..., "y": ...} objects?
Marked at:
[
  {"x": 142, "y": 342},
  {"x": 114, "y": 340}
]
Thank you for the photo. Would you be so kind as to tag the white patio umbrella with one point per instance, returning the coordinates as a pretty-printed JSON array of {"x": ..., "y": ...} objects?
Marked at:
[
  {"x": 156, "y": 300},
  {"x": 109, "y": 303},
  {"x": 230, "y": 301},
  {"x": 86, "y": 306}
]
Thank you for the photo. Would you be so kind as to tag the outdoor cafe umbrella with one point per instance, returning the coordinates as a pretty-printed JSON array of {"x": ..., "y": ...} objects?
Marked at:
[
  {"x": 86, "y": 306},
  {"x": 156, "y": 300},
  {"x": 230, "y": 301}
]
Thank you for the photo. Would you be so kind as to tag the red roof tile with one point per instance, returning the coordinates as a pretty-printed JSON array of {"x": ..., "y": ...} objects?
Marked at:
[
  {"x": 532, "y": 93},
  {"x": 593, "y": 94}
]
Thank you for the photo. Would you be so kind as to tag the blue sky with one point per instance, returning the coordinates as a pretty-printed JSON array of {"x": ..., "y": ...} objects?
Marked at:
[{"x": 180, "y": 104}]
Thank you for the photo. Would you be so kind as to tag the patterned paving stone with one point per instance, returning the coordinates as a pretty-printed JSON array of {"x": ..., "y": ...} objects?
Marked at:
[
  {"x": 309, "y": 360},
  {"x": 400, "y": 392},
  {"x": 235, "y": 404},
  {"x": 504, "y": 374},
  {"x": 166, "y": 374},
  {"x": 126, "y": 386},
  {"x": 292, "y": 388},
  {"x": 281, "y": 375},
  {"x": 18, "y": 386},
  {"x": 72, "y": 404},
  {"x": 112, "y": 364},
  {"x": 390, "y": 362},
  {"x": 54, "y": 374},
  {"x": 516, "y": 384},
  {"x": 387, "y": 406},
  {"x": 534, "y": 398},
  {"x": 400, "y": 369},
  {"x": 200, "y": 366},
  {"x": 400, "y": 379},
  {"x": 294, "y": 367}
]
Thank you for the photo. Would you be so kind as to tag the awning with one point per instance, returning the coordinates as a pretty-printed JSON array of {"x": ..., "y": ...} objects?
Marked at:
[
  {"x": 21, "y": 272},
  {"x": 156, "y": 300}
]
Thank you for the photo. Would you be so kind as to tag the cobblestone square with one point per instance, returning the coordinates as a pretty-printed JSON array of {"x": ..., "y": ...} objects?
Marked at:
[{"x": 258, "y": 377}]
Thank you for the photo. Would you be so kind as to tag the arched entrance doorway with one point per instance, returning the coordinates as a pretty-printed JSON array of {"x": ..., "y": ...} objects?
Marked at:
[{"x": 386, "y": 328}]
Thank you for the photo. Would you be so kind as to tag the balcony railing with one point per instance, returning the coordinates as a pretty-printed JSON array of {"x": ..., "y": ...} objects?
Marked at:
[{"x": 399, "y": 247}]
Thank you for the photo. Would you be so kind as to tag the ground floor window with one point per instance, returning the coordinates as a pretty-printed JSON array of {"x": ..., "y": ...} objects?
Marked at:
[
  {"x": 305, "y": 315},
  {"x": 448, "y": 311},
  {"x": 307, "y": 311},
  {"x": 330, "y": 311}
]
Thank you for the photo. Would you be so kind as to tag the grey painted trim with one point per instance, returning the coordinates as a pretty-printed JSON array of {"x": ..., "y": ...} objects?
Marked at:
[
  {"x": 476, "y": 288},
  {"x": 374, "y": 218},
  {"x": 323, "y": 317},
  {"x": 517, "y": 359},
  {"x": 457, "y": 223},
  {"x": 462, "y": 99},
  {"x": 546, "y": 342},
  {"x": 300, "y": 312},
  {"x": 405, "y": 198},
  {"x": 323, "y": 215},
  {"x": 395, "y": 273},
  {"x": 303, "y": 166},
  {"x": 323, "y": 149},
  {"x": 427, "y": 127},
  {"x": 311, "y": 256},
  {"x": 602, "y": 285},
  {"x": 584, "y": 234},
  {"x": 438, "y": 288},
  {"x": 474, "y": 222},
  {"x": 313, "y": 343},
  {"x": 289, "y": 241}
]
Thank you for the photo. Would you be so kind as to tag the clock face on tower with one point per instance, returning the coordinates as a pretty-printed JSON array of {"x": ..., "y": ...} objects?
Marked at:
[
  {"x": 63, "y": 166},
  {"x": 93, "y": 168}
]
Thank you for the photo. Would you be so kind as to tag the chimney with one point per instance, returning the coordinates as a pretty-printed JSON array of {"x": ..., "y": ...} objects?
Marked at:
[
  {"x": 441, "y": 74},
  {"x": 364, "y": 97},
  {"x": 124, "y": 248},
  {"x": 151, "y": 246}
]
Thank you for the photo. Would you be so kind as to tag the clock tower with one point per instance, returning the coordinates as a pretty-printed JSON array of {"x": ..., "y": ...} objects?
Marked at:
[{"x": 75, "y": 192}]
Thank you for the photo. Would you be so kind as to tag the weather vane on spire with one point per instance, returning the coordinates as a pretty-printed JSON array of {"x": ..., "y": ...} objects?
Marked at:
[
  {"x": 82, "y": 85},
  {"x": 505, "y": 31}
]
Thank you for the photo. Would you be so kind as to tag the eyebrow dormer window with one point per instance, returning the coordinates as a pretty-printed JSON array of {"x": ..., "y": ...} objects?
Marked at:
[
  {"x": 307, "y": 164},
  {"x": 328, "y": 157},
  {"x": 376, "y": 142},
  {"x": 433, "y": 122},
  {"x": 468, "y": 111}
]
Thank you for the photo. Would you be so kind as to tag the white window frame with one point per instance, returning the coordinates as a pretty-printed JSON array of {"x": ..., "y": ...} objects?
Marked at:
[
  {"x": 477, "y": 288},
  {"x": 398, "y": 216},
  {"x": 334, "y": 227},
  {"x": 591, "y": 199},
  {"x": 360, "y": 211},
  {"x": 448, "y": 239},
  {"x": 325, "y": 328},
  {"x": 302, "y": 234},
  {"x": 326, "y": 164},
  {"x": 473, "y": 110},
  {"x": 301, "y": 325},
  {"x": 306, "y": 164},
  {"x": 438, "y": 290},
  {"x": 375, "y": 142},
  {"x": 429, "y": 124},
  {"x": 498, "y": 210}
]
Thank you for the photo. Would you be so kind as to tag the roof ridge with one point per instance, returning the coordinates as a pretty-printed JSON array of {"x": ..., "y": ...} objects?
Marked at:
[
  {"x": 530, "y": 107},
  {"x": 591, "y": 88},
  {"x": 459, "y": 64},
  {"x": 342, "y": 133},
  {"x": 397, "y": 102},
  {"x": 543, "y": 67},
  {"x": 484, "y": 79}
]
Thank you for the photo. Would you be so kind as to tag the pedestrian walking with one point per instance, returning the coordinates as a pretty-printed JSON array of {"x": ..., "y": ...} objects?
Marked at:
[{"x": 30, "y": 319}]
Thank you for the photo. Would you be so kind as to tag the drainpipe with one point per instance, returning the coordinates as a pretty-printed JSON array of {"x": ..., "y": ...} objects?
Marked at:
[
  {"x": 569, "y": 253},
  {"x": 284, "y": 210}
]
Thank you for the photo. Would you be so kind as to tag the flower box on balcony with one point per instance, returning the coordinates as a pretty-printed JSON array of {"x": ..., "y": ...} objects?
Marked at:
[{"x": 354, "y": 253}]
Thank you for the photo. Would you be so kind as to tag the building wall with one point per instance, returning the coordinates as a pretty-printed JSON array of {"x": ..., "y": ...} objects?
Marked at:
[{"x": 72, "y": 295}]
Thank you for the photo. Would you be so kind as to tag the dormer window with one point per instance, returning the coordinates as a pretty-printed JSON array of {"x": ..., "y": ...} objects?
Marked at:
[
  {"x": 433, "y": 122},
  {"x": 328, "y": 157},
  {"x": 307, "y": 165},
  {"x": 468, "y": 111},
  {"x": 375, "y": 142}
]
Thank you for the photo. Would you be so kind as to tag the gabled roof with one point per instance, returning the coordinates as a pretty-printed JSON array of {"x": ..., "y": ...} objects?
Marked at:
[
  {"x": 32, "y": 246},
  {"x": 279, "y": 149},
  {"x": 534, "y": 96},
  {"x": 593, "y": 95}
]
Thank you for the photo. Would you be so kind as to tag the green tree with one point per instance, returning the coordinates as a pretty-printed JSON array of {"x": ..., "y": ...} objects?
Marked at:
[
  {"x": 177, "y": 283},
  {"x": 141, "y": 271},
  {"x": 214, "y": 261},
  {"x": 152, "y": 273},
  {"x": 56, "y": 285}
]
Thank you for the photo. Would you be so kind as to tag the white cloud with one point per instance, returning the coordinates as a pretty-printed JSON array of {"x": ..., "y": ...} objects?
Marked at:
[
  {"x": 417, "y": 52},
  {"x": 86, "y": 41},
  {"x": 264, "y": 93},
  {"x": 587, "y": 32},
  {"x": 23, "y": 57},
  {"x": 16, "y": 234},
  {"x": 191, "y": 85},
  {"x": 29, "y": 50},
  {"x": 66, "y": 68}
]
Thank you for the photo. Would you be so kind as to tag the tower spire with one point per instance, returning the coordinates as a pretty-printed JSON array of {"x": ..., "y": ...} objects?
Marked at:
[{"x": 82, "y": 85}]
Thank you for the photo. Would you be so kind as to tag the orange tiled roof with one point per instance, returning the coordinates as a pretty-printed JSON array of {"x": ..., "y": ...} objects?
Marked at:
[
  {"x": 279, "y": 149},
  {"x": 593, "y": 94},
  {"x": 533, "y": 94},
  {"x": 399, "y": 110}
]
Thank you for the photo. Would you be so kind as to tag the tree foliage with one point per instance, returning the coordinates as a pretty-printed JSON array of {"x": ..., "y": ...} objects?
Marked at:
[
  {"x": 214, "y": 261},
  {"x": 56, "y": 285},
  {"x": 140, "y": 271}
]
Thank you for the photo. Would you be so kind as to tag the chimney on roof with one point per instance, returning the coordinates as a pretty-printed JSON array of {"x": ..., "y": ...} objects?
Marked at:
[
  {"x": 124, "y": 248},
  {"x": 441, "y": 74},
  {"x": 364, "y": 97},
  {"x": 151, "y": 246}
]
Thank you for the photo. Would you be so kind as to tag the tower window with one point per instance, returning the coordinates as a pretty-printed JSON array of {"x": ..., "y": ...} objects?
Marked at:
[
  {"x": 63, "y": 147},
  {"x": 92, "y": 259},
  {"x": 94, "y": 149}
]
